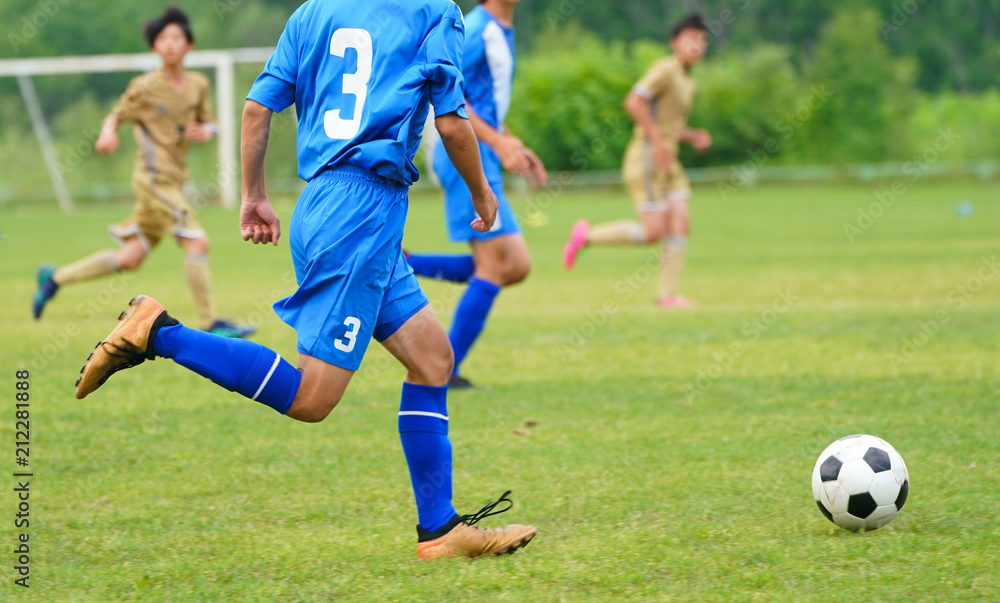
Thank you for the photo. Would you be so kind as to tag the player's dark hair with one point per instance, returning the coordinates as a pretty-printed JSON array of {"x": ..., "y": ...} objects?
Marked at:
[
  {"x": 171, "y": 16},
  {"x": 692, "y": 21}
]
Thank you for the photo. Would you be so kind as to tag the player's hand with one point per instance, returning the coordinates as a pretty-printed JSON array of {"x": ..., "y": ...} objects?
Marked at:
[
  {"x": 197, "y": 132},
  {"x": 486, "y": 205},
  {"x": 701, "y": 140},
  {"x": 519, "y": 159},
  {"x": 536, "y": 175},
  {"x": 663, "y": 158},
  {"x": 107, "y": 143},
  {"x": 259, "y": 222},
  {"x": 512, "y": 155}
]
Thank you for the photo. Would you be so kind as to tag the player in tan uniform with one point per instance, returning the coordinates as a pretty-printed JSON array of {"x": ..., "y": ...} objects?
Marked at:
[
  {"x": 170, "y": 109},
  {"x": 659, "y": 104}
]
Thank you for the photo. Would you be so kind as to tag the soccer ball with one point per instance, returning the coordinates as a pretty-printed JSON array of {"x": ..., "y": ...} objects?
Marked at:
[{"x": 860, "y": 482}]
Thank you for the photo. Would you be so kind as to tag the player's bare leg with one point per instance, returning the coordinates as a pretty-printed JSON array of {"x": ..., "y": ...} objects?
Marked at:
[
  {"x": 503, "y": 260},
  {"x": 320, "y": 391},
  {"x": 655, "y": 225},
  {"x": 132, "y": 254},
  {"x": 422, "y": 346}
]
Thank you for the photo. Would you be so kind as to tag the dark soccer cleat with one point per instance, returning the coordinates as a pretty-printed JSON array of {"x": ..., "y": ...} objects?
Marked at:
[
  {"x": 46, "y": 290},
  {"x": 459, "y": 382},
  {"x": 224, "y": 328},
  {"x": 460, "y": 538},
  {"x": 128, "y": 345}
]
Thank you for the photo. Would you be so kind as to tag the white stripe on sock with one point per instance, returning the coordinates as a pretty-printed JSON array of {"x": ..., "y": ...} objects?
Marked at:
[
  {"x": 274, "y": 367},
  {"x": 420, "y": 413}
]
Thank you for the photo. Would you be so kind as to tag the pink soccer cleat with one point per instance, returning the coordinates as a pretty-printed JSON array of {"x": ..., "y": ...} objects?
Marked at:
[
  {"x": 577, "y": 241},
  {"x": 675, "y": 302}
]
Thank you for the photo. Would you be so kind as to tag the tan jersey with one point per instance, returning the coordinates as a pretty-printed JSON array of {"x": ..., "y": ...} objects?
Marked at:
[
  {"x": 160, "y": 112},
  {"x": 669, "y": 89}
]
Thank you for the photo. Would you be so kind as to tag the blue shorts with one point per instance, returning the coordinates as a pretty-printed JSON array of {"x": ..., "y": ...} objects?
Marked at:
[
  {"x": 354, "y": 282},
  {"x": 458, "y": 209}
]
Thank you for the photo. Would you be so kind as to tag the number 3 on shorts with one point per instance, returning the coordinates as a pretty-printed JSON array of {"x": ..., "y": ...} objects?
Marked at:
[
  {"x": 350, "y": 339},
  {"x": 355, "y": 84}
]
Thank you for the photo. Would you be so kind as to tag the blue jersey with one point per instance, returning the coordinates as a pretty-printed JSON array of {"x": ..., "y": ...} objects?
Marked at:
[
  {"x": 361, "y": 75},
  {"x": 488, "y": 66}
]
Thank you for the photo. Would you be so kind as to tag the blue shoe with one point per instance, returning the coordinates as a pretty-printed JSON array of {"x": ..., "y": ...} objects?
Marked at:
[
  {"x": 224, "y": 328},
  {"x": 46, "y": 290}
]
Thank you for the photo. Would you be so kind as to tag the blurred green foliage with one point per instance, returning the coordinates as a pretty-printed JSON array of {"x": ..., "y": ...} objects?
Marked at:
[
  {"x": 851, "y": 101},
  {"x": 568, "y": 97},
  {"x": 790, "y": 82},
  {"x": 954, "y": 43}
]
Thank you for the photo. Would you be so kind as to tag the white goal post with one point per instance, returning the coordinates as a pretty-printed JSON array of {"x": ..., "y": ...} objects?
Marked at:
[{"x": 223, "y": 61}]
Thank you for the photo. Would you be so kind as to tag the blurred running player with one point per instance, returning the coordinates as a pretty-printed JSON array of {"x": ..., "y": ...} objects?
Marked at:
[
  {"x": 659, "y": 104},
  {"x": 170, "y": 109},
  {"x": 362, "y": 94},
  {"x": 499, "y": 257}
]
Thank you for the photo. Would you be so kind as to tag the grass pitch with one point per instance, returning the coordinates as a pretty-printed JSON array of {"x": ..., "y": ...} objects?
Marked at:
[{"x": 663, "y": 455}]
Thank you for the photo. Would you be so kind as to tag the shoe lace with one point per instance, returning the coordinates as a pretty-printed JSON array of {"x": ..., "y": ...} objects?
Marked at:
[
  {"x": 488, "y": 510},
  {"x": 130, "y": 354}
]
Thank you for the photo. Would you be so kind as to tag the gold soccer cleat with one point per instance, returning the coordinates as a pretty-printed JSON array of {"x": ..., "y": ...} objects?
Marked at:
[
  {"x": 127, "y": 345},
  {"x": 461, "y": 538}
]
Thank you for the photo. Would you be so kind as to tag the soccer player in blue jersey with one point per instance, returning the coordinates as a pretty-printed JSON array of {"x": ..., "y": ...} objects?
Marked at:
[
  {"x": 499, "y": 256},
  {"x": 361, "y": 76}
]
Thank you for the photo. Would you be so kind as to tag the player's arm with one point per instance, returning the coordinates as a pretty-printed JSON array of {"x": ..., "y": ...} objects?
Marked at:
[
  {"x": 108, "y": 142},
  {"x": 258, "y": 221},
  {"x": 200, "y": 131},
  {"x": 443, "y": 70},
  {"x": 699, "y": 138},
  {"x": 514, "y": 156},
  {"x": 204, "y": 128},
  {"x": 126, "y": 109},
  {"x": 273, "y": 92},
  {"x": 638, "y": 108},
  {"x": 459, "y": 139}
]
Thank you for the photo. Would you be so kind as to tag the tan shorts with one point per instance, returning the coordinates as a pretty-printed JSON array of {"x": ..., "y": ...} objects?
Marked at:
[
  {"x": 160, "y": 209},
  {"x": 652, "y": 190}
]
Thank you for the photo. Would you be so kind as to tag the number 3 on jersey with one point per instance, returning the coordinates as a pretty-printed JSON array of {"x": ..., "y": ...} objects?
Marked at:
[
  {"x": 355, "y": 84},
  {"x": 350, "y": 338}
]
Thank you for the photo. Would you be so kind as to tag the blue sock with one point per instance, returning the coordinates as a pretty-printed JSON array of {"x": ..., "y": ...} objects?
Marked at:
[
  {"x": 423, "y": 429},
  {"x": 455, "y": 268},
  {"x": 238, "y": 365},
  {"x": 470, "y": 317}
]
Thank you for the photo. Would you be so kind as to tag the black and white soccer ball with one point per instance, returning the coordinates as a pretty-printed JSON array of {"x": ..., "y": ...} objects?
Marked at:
[{"x": 860, "y": 482}]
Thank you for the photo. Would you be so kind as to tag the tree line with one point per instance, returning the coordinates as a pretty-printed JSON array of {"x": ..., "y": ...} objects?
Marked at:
[
  {"x": 956, "y": 45},
  {"x": 785, "y": 82}
]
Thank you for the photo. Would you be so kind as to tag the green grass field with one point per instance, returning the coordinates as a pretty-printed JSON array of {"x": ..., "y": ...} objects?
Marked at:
[{"x": 661, "y": 465}]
